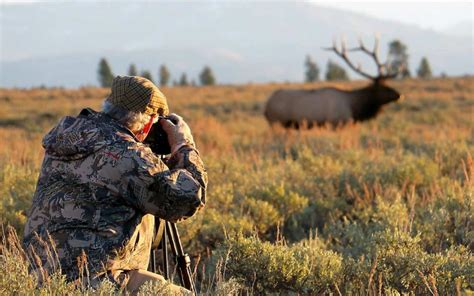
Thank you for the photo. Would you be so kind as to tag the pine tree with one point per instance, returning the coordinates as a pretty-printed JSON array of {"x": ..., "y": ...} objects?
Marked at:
[
  {"x": 335, "y": 72},
  {"x": 105, "y": 73},
  {"x": 207, "y": 77},
  {"x": 132, "y": 70},
  {"x": 398, "y": 58},
  {"x": 183, "y": 80},
  {"x": 146, "y": 74},
  {"x": 312, "y": 70},
  {"x": 424, "y": 70},
  {"x": 164, "y": 75}
]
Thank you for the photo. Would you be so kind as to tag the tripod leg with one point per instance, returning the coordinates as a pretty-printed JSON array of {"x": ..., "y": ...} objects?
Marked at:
[
  {"x": 164, "y": 242},
  {"x": 153, "y": 261},
  {"x": 174, "y": 251},
  {"x": 182, "y": 259}
]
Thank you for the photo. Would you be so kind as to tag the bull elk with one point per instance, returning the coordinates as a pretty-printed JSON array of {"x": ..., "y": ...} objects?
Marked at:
[{"x": 292, "y": 107}]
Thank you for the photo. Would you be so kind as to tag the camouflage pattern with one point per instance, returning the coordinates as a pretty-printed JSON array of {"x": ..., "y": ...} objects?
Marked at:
[{"x": 97, "y": 194}]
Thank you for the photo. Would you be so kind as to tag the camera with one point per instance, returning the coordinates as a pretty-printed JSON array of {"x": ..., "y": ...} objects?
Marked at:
[{"x": 157, "y": 138}]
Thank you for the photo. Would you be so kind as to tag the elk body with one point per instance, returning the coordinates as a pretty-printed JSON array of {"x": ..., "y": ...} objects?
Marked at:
[{"x": 332, "y": 105}]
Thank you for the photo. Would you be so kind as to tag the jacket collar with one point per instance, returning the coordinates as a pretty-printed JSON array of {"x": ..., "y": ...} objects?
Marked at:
[{"x": 90, "y": 113}]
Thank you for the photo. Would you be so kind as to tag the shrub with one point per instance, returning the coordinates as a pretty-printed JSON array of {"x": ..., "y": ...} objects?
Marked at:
[{"x": 305, "y": 267}]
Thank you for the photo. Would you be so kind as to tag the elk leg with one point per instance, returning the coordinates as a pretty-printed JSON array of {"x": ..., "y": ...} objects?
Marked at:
[{"x": 287, "y": 124}]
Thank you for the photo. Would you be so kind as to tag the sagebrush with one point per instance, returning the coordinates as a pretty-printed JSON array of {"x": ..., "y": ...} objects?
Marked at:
[{"x": 384, "y": 206}]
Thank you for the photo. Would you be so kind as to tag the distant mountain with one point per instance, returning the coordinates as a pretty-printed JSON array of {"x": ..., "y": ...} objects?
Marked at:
[
  {"x": 462, "y": 29},
  {"x": 61, "y": 43}
]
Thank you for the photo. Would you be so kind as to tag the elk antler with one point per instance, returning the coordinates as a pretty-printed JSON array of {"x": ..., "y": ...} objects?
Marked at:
[
  {"x": 383, "y": 73},
  {"x": 343, "y": 54}
]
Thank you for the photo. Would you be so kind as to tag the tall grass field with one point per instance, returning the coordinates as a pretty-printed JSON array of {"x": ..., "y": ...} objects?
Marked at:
[{"x": 383, "y": 207}]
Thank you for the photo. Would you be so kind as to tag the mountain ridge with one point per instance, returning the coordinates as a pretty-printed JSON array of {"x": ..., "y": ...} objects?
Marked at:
[{"x": 242, "y": 42}]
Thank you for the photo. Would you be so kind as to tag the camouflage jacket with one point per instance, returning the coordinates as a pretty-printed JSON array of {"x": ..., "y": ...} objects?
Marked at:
[{"x": 97, "y": 193}]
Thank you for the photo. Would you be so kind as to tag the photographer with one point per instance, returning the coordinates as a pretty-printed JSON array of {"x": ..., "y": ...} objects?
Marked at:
[{"x": 100, "y": 188}]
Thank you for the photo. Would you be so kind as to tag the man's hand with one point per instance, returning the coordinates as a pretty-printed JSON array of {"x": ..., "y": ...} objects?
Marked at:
[{"x": 179, "y": 133}]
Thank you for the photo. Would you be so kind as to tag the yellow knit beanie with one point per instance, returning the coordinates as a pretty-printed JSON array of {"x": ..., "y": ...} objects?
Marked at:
[{"x": 138, "y": 94}]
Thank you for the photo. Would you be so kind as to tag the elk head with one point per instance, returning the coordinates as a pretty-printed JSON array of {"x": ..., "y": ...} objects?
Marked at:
[{"x": 378, "y": 90}]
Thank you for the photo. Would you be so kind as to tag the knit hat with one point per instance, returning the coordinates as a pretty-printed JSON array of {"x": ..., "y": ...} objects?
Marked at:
[{"x": 138, "y": 94}]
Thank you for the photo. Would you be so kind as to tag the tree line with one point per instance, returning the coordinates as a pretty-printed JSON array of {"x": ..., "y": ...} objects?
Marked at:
[
  {"x": 397, "y": 56},
  {"x": 106, "y": 75}
]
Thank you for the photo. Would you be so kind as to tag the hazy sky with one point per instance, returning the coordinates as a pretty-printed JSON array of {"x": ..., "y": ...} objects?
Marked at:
[
  {"x": 437, "y": 15},
  {"x": 427, "y": 14}
]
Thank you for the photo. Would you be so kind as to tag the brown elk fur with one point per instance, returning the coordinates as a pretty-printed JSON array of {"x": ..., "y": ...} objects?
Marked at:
[
  {"x": 327, "y": 105},
  {"x": 292, "y": 107}
]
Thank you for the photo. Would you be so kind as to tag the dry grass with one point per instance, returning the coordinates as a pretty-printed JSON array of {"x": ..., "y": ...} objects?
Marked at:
[{"x": 391, "y": 199}]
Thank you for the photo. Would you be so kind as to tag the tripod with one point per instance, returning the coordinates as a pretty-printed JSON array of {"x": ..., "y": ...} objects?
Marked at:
[{"x": 182, "y": 260}]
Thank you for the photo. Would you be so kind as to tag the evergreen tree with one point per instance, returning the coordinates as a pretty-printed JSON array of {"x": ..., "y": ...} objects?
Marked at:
[
  {"x": 207, "y": 77},
  {"x": 105, "y": 73},
  {"x": 183, "y": 81},
  {"x": 398, "y": 56},
  {"x": 335, "y": 72},
  {"x": 312, "y": 70},
  {"x": 132, "y": 70},
  {"x": 146, "y": 74},
  {"x": 424, "y": 70},
  {"x": 164, "y": 75}
]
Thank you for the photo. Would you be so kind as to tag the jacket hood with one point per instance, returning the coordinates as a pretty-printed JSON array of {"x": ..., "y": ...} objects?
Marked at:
[{"x": 78, "y": 137}]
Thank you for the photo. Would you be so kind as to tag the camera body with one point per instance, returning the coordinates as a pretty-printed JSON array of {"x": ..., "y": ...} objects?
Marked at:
[{"x": 157, "y": 138}]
